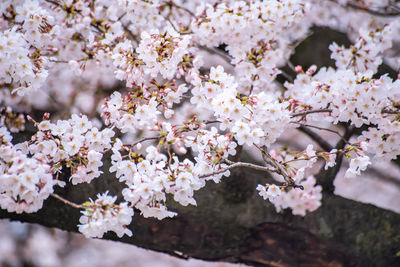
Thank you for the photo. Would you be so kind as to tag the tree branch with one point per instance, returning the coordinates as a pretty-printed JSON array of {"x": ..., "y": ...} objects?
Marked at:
[
  {"x": 315, "y": 137},
  {"x": 216, "y": 51},
  {"x": 371, "y": 11},
  {"x": 238, "y": 165},
  {"x": 303, "y": 113},
  {"x": 339, "y": 233},
  {"x": 326, "y": 177},
  {"x": 65, "y": 201}
]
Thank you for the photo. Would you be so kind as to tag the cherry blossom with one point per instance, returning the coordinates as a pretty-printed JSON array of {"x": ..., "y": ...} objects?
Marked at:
[
  {"x": 102, "y": 215},
  {"x": 175, "y": 92}
]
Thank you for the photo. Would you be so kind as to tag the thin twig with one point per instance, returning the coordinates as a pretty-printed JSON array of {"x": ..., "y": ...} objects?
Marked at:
[
  {"x": 237, "y": 165},
  {"x": 346, "y": 137},
  {"x": 215, "y": 51},
  {"x": 211, "y": 121},
  {"x": 183, "y": 8},
  {"x": 130, "y": 34},
  {"x": 286, "y": 75},
  {"x": 321, "y": 128},
  {"x": 74, "y": 205},
  {"x": 58, "y": 61},
  {"x": 174, "y": 27},
  {"x": 299, "y": 42},
  {"x": 303, "y": 113},
  {"x": 393, "y": 112},
  {"x": 62, "y": 7},
  {"x": 327, "y": 177},
  {"x": 316, "y": 137},
  {"x": 53, "y": 3},
  {"x": 370, "y": 11},
  {"x": 143, "y": 140},
  {"x": 291, "y": 66},
  {"x": 179, "y": 132},
  {"x": 278, "y": 167}
]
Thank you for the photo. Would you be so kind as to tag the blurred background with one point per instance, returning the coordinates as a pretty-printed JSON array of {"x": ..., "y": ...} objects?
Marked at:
[{"x": 29, "y": 245}]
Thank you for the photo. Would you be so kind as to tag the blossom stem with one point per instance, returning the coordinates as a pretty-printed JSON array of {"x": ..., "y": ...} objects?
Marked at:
[
  {"x": 322, "y": 129},
  {"x": 74, "y": 205},
  {"x": 278, "y": 167},
  {"x": 237, "y": 165},
  {"x": 303, "y": 113},
  {"x": 171, "y": 3},
  {"x": 316, "y": 137},
  {"x": 144, "y": 139}
]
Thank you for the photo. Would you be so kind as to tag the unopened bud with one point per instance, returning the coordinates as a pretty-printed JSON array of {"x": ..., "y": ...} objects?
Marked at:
[{"x": 298, "y": 69}]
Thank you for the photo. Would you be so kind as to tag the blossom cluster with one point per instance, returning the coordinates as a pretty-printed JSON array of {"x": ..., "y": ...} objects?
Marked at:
[
  {"x": 24, "y": 182},
  {"x": 245, "y": 22},
  {"x": 252, "y": 33},
  {"x": 383, "y": 141},
  {"x": 211, "y": 149},
  {"x": 129, "y": 116},
  {"x": 103, "y": 215},
  {"x": 300, "y": 201},
  {"x": 161, "y": 52},
  {"x": 13, "y": 121},
  {"x": 177, "y": 100},
  {"x": 17, "y": 63},
  {"x": 355, "y": 98},
  {"x": 139, "y": 15},
  {"x": 365, "y": 54},
  {"x": 149, "y": 178},
  {"x": 74, "y": 142},
  {"x": 256, "y": 119}
]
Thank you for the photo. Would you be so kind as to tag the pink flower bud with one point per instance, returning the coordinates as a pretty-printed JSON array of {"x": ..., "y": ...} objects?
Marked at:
[{"x": 299, "y": 69}]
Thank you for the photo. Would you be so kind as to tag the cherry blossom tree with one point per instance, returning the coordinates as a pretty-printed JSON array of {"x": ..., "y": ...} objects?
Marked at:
[{"x": 116, "y": 108}]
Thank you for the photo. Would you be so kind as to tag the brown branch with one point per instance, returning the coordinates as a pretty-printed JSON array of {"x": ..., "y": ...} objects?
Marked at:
[
  {"x": 286, "y": 75},
  {"x": 303, "y": 113},
  {"x": 238, "y": 165},
  {"x": 289, "y": 180},
  {"x": 130, "y": 34},
  {"x": 171, "y": 3},
  {"x": 307, "y": 112},
  {"x": 94, "y": 25},
  {"x": 241, "y": 226},
  {"x": 248, "y": 231},
  {"x": 174, "y": 27},
  {"x": 143, "y": 140},
  {"x": 54, "y": 3},
  {"x": 315, "y": 137},
  {"x": 65, "y": 201},
  {"x": 322, "y": 129},
  {"x": 393, "y": 112},
  {"x": 370, "y": 11},
  {"x": 216, "y": 51},
  {"x": 326, "y": 177}
]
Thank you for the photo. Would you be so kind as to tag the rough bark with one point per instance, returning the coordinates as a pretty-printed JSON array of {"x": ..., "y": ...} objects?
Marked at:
[{"x": 232, "y": 223}]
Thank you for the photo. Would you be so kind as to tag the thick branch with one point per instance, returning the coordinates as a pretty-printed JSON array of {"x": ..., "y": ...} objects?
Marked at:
[{"x": 232, "y": 223}]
